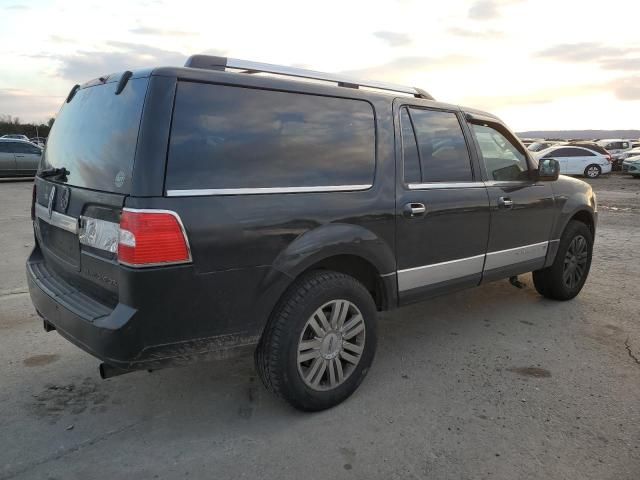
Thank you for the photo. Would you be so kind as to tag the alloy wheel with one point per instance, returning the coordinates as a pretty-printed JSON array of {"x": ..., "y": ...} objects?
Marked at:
[
  {"x": 331, "y": 345},
  {"x": 593, "y": 172},
  {"x": 575, "y": 262}
]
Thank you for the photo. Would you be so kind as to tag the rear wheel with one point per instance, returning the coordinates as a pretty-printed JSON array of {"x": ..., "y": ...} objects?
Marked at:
[
  {"x": 592, "y": 171},
  {"x": 320, "y": 341},
  {"x": 564, "y": 279}
]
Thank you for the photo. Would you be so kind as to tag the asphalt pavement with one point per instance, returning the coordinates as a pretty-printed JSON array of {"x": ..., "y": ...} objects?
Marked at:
[{"x": 493, "y": 382}]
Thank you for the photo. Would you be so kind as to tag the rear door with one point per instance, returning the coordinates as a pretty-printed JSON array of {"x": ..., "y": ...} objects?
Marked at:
[
  {"x": 7, "y": 159},
  {"x": 562, "y": 155},
  {"x": 94, "y": 138},
  {"x": 442, "y": 208},
  {"x": 522, "y": 210},
  {"x": 27, "y": 157}
]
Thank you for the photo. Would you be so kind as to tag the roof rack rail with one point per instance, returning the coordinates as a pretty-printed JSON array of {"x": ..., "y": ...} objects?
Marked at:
[{"x": 210, "y": 62}]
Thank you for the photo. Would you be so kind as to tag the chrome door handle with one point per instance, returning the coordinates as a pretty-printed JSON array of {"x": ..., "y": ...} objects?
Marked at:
[
  {"x": 414, "y": 209},
  {"x": 505, "y": 202},
  {"x": 19, "y": 156}
]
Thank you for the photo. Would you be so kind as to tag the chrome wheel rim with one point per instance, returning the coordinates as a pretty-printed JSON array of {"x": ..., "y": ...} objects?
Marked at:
[
  {"x": 331, "y": 345},
  {"x": 592, "y": 171},
  {"x": 575, "y": 262}
]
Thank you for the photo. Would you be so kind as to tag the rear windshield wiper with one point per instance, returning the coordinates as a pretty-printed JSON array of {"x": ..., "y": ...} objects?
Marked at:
[{"x": 53, "y": 172}]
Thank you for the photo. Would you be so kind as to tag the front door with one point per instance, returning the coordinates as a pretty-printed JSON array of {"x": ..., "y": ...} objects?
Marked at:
[
  {"x": 522, "y": 209},
  {"x": 7, "y": 159},
  {"x": 442, "y": 208}
]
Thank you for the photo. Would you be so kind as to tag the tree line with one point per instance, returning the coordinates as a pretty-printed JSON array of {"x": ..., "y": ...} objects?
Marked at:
[{"x": 13, "y": 125}]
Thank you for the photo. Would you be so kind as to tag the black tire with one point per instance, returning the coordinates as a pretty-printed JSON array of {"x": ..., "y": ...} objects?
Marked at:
[
  {"x": 277, "y": 354},
  {"x": 554, "y": 282},
  {"x": 592, "y": 171}
]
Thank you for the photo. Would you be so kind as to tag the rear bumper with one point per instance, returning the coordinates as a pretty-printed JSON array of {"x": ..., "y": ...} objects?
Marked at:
[
  {"x": 120, "y": 336},
  {"x": 103, "y": 332}
]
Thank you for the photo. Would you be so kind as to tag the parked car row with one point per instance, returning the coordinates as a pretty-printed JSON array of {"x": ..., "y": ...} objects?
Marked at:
[{"x": 584, "y": 157}]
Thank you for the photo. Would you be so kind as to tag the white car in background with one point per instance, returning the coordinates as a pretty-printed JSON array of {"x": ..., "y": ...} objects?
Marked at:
[{"x": 577, "y": 160}]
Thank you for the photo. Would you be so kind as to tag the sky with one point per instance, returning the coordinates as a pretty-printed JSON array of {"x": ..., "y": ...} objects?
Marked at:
[{"x": 537, "y": 64}]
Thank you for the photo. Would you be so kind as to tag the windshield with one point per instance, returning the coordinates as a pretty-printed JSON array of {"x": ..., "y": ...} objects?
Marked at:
[{"x": 94, "y": 136}]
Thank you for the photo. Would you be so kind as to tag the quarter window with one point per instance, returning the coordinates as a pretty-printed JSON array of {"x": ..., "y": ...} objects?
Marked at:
[
  {"x": 226, "y": 137},
  {"x": 503, "y": 160},
  {"x": 444, "y": 156}
]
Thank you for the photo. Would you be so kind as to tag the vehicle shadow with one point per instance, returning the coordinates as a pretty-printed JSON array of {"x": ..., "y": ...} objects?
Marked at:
[{"x": 414, "y": 343}]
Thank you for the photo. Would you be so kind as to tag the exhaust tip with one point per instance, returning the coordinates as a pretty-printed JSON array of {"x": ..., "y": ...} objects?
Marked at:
[
  {"x": 108, "y": 371},
  {"x": 48, "y": 327}
]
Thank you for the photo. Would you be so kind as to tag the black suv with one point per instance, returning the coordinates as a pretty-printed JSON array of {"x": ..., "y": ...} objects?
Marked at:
[{"x": 196, "y": 212}]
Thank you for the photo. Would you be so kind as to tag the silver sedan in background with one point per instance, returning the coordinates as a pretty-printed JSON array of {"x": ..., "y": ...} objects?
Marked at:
[{"x": 18, "y": 158}]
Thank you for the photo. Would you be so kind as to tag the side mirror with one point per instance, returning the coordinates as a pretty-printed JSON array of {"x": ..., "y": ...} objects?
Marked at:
[{"x": 548, "y": 169}]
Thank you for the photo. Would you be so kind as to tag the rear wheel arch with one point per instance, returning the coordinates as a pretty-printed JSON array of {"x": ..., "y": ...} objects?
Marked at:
[{"x": 359, "y": 268}]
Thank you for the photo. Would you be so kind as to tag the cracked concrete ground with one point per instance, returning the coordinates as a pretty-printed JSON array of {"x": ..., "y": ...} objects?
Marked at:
[{"x": 493, "y": 382}]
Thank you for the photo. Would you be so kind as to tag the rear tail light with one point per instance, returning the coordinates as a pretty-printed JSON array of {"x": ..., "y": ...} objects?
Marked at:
[
  {"x": 609, "y": 158},
  {"x": 33, "y": 202},
  {"x": 152, "y": 237}
]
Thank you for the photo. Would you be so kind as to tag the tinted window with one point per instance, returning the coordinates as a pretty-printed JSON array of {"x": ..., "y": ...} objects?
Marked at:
[
  {"x": 231, "y": 137},
  {"x": 443, "y": 151},
  {"x": 19, "y": 147},
  {"x": 409, "y": 150},
  {"x": 503, "y": 160},
  {"x": 5, "y": 147},
  {"x": 95, "y": 135}
]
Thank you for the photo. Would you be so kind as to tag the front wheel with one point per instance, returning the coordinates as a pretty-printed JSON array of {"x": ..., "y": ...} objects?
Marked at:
[
  {"x": 564, "y": 279},
  {"x": 320, "y": 341},
  {"x": 592, "y": 171}
]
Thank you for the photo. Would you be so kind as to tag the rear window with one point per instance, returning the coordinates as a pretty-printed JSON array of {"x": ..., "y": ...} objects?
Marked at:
[
  {"x": 95, "y": 135},
  {"x": 227, "y": 137}
]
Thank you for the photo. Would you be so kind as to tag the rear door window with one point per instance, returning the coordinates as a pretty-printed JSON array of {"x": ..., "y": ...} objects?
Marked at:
[
  {"x": 444, "y": 156},
  {"x": 19, "y": 147},
  {"x": 226, "y": 137}
]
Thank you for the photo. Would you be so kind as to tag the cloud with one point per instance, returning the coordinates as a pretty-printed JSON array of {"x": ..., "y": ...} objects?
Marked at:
[
  {"x": 621, "y": 64},
  {"x": 161, "y": 32},
  {"x": 60, "y": 39},
  {"x": 626, "y": 88},
  {"x": 401, "y": 67},
  {"x": 538, "y": 97},
  {"x": 582, "y": 52},
  {"x": 16, "y": 7},
  {"x": 27, "y": 105},
  {"x": 488, "y": 9},
  {"x": 467, "y": 33},
  {"x": 85, "y": 65},
  {"x": 394, "y": 39}
]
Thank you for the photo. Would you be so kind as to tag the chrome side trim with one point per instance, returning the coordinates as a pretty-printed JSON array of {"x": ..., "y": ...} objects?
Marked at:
[
  {"x": 511, "y": 256},
  {"x": 438, "y": 185},
  {"x": 411, "y": 278},
  {"x": 57, "y": 219},
  {"x": 265, "y": 190}
]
